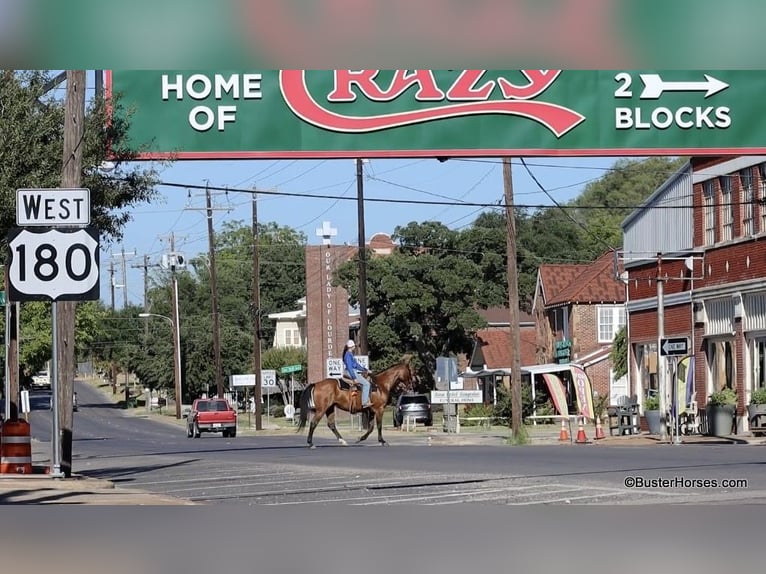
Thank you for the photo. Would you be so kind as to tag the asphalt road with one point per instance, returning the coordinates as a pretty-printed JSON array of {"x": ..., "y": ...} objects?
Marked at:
[{"x": 281, "y": 470}]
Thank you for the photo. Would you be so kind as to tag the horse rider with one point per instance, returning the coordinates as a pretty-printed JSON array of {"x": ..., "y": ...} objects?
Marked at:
[{"x": 356, "y": 372}]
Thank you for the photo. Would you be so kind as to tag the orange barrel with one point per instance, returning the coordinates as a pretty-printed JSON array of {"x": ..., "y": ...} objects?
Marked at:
[{"x": 15, "y": 448}]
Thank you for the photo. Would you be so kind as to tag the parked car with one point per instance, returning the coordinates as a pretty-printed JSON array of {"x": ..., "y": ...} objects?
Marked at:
[{"x": 413, "y": 405}]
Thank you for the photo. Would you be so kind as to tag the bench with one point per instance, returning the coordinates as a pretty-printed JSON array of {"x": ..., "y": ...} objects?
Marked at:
[{"x": 624, "y": 419}]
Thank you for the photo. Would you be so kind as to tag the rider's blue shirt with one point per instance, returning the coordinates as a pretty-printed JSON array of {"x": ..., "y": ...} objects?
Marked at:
[{"x": 352, "y": 365}]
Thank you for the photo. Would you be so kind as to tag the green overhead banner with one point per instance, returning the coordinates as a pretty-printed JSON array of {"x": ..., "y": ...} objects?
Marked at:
[{"x": 281, "y": 114}]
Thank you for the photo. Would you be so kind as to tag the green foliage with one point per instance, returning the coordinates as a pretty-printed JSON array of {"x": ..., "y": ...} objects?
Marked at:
[
  {"x": 503, "y": 407},
  {"x": 758, "y": 397},
  {"x": 619, "y": 354},
  {"x": 479, "y": 411},
  {"x": 723, "y": 397},
  {"x": 652, "y": 403},
  {"x": 600, "y": 405}
]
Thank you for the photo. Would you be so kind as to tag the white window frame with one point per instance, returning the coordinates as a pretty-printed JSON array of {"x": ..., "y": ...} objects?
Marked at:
[
  {"x": 615, "y": 321},
  {"x": 746, "y": 185},
  {"x": 762, "y": 197},
  {"x": 728, "y": 208},
  {"x": 708, "y": 200}
]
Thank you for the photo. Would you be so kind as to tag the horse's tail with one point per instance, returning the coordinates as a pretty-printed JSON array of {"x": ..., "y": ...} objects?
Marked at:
[{"x": 304, "y": 403}]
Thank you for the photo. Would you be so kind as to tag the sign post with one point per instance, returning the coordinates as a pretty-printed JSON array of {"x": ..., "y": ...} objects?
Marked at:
[{"x": 53, "y": 256}]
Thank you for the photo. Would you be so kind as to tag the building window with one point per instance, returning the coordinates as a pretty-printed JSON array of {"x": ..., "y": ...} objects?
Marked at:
[
  {"x": 708, "y": 200},
  {"x": 292, "y": 338},
  {"x": 610, "y": 320},
  {"x": 746, "y": 183},
  {"x": 762, "y": 196},
  {"x": 720, "y": 357},
  {"x": 728, "y": 208},
  {"x": 759, "y": 363}
]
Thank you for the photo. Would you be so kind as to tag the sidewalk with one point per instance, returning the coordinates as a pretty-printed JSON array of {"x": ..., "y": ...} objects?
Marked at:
[{"x": 40, "y": 488}]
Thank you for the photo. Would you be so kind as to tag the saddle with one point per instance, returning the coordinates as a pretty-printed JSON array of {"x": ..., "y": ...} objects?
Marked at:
[{"x": 346, "y": 384}]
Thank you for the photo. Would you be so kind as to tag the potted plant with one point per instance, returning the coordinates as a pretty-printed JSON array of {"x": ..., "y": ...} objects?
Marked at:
[
  {"x": 757, "y": 407},
  {"x": 652, "y": 414},
  {"x": 721, "y": 407}
]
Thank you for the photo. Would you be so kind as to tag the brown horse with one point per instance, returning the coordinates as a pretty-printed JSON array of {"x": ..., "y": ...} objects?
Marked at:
[{"x": 323, "y": 396}]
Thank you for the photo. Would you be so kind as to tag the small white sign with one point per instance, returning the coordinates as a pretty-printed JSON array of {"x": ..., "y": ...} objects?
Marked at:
[
  {"x": 334, "y": 367},
  {"x": 268, "y": 379},
  {"x": 52, "y": 207},
  {"x": 456, "y": 397},
  {"x": 54, "y": 264}
]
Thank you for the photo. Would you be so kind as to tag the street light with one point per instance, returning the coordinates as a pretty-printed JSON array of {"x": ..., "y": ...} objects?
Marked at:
[{"x": 177, "y": 355}]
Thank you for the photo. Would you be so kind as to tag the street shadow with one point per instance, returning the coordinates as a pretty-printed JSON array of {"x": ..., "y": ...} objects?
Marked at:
[
  {"x": 7, "y": 498},
  {"x": 121, "y": 474}
]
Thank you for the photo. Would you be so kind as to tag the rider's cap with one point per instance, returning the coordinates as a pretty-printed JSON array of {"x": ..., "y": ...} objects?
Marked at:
[{"x": 350, "y": 344}]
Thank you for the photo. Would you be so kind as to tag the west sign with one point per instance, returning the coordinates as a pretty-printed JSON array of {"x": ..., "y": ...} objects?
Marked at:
[{"x": 309, "y": 114}]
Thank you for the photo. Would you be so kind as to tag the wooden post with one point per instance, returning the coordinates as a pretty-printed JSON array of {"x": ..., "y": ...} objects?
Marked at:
[
  {"x": 71, "y": 177},
  {"x": 257, "y": 317},
  {"x": 513, "y": 300}
]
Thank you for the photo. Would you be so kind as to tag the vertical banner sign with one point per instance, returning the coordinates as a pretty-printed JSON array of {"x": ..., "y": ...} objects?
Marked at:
[
  {"x": 583, "y": 390},
  {"x": 557, "y": 392},
  {"x": 684, "y": 383}
]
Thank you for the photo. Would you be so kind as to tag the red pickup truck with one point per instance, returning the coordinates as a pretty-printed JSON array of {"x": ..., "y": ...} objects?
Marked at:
[{"x": 211, "y": 415}]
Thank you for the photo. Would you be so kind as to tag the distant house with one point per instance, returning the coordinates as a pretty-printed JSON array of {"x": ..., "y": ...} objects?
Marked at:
[
  {"x": 578, "y": 310},
  {"x": 290, "y": 326},
  {"x": 490, "y": 361}
]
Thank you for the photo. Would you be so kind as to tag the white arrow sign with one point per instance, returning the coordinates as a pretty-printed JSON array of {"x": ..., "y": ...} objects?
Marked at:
[{"x": 655, "y": 86}]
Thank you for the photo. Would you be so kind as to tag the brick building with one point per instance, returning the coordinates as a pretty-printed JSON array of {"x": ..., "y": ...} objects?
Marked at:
[
  {"x": 329, "y": 321},
  {"x": 701, "y": 235},
  {"x": 578, "y": 309}
]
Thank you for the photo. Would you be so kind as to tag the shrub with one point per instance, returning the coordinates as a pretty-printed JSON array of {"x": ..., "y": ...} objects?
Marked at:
[
  {"x": 652, "y": 403},
  {"x": 723, "y": 397},
  {"x": 478, "y": 410},
  {"x": 758, "y": 397}
]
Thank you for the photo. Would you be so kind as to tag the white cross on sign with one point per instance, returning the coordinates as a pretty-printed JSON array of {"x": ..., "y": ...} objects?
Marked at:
[{"x": 326, "y": 232}]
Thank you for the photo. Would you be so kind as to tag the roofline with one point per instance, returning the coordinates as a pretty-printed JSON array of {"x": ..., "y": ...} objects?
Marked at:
[{"x": 682, "y": 171}]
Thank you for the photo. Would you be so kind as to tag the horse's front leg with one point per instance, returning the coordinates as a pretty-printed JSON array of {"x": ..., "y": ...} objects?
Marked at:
[{"x": 333, "y": 428}]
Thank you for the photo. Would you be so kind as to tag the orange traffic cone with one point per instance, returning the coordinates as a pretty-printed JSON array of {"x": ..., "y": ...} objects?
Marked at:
[
  {"x": 564, "y": 434},
  {"x": 599, "y": 429},
  {"x": 581, "y": 438}
]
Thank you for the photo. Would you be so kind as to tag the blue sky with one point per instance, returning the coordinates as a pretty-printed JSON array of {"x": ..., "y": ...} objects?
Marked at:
[{"x": 457, "y": 181}]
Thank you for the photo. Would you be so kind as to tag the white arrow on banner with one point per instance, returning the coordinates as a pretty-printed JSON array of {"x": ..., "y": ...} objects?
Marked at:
[{"x": 655, "y": 86}]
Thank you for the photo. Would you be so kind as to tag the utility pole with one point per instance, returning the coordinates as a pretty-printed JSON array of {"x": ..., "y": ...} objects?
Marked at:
[
  {"x": 145, "y": 267},
  {"x": 111, "y": 285},
  {"x": 257, "y": 316},
  {"x": 64, "y": 311},
  {"x": 661, "y": 378},
  {"x": 362, "y": 257},
  {"x": 513, "y": 299},
  {"x": 123, "y": 256},
  {"x": 175, "y": 323},
  {"x": 214, "y": 295}
]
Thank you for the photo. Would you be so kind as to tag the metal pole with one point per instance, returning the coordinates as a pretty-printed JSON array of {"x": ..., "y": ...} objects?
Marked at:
[
  {"x": 177, "y": 344},
  {"x": 7, "y": 387},
  {"x": 661, "y": 379},
  {"x": 257, "y": 360},
  {"x": 676, "y": 416},
  {"x": 54, "y": 376},
  {"x": 362, "y": 258}
]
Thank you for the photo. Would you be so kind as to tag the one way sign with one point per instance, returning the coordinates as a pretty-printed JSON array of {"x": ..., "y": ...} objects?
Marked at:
[{"x": 675, "y": 346}]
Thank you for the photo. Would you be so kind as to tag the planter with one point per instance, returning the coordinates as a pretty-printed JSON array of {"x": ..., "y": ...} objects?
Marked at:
[
  {"x": 753, "y": 410},
  {"x": 653, "y": 421},
  {"x": 720, "y": 419}
]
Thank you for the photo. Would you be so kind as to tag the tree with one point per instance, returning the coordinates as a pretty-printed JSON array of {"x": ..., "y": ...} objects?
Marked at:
[
  {"x": 30, "y": 157},
  {"x": 619, "y": 354}
]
